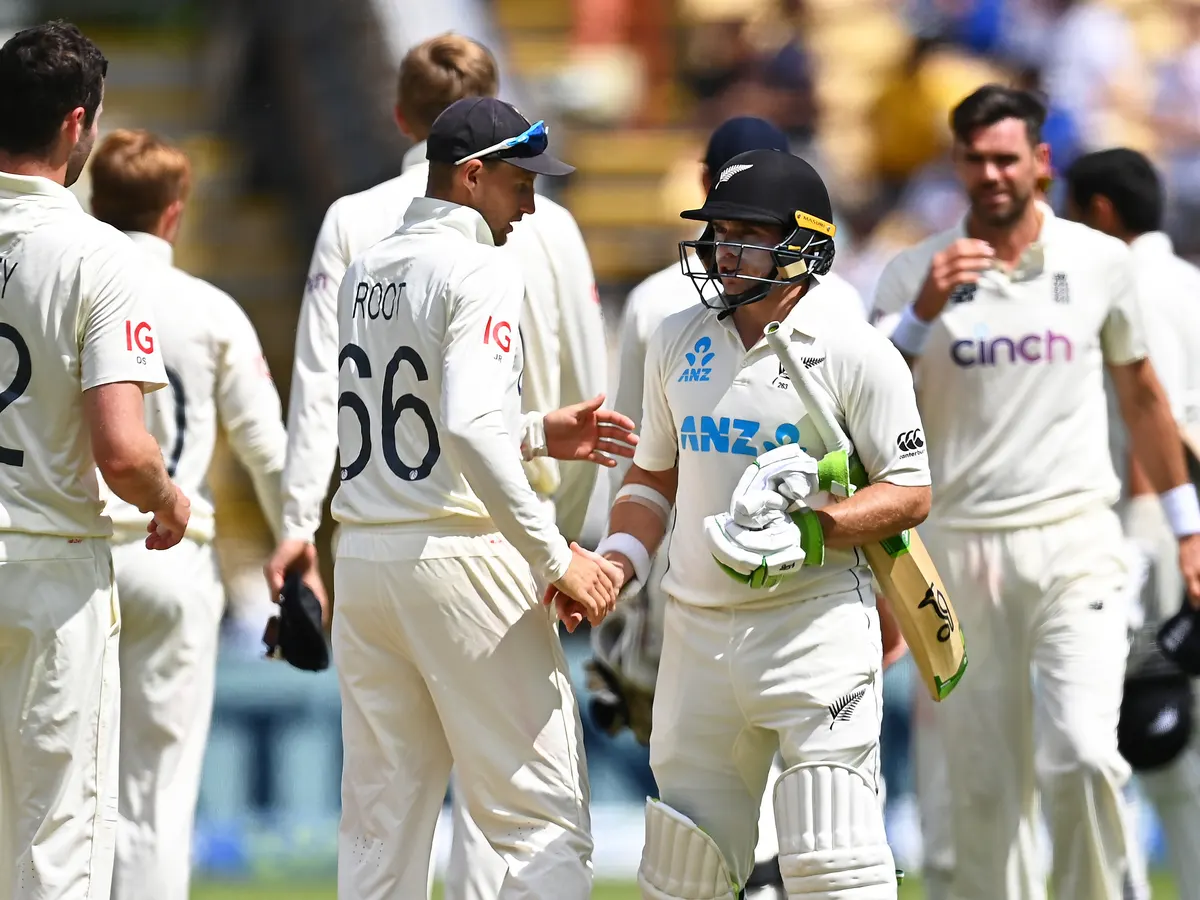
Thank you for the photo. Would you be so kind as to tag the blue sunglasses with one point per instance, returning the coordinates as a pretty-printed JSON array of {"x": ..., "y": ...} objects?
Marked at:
[{"x": 536, "y": 137}]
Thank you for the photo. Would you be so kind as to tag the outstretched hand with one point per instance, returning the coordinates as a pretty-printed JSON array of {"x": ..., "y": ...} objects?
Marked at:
[{"x": 584, "y": 431}]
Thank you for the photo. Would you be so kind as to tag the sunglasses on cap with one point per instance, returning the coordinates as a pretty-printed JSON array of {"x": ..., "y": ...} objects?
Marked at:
[{"x": 536, "y": 138}]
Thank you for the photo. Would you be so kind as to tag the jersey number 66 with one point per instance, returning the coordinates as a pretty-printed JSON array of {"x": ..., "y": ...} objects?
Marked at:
[{"x": 390, "y": 414}]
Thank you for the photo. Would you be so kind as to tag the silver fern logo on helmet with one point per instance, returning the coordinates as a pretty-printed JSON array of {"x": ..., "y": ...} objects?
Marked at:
[{"x": 731, "y": 171}]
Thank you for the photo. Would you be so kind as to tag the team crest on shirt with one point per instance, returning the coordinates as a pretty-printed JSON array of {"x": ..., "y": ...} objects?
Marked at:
[
  {"x": 1062, "y": 293},
  {"x": 698, "y": 359}
]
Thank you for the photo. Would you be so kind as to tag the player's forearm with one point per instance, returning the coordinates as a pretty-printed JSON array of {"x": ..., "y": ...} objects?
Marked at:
[
  {"x": 874, "y": 513},
  {"x": 311, "y": 451},
  {"x": 485, "y": 452},
  {"x": 639, "y": 517},
  {"x": 1153, "y": 432},
  {"x": 134, "y": 470}
]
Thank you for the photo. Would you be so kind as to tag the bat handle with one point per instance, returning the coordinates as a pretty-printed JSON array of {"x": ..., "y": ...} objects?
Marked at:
[{"x": 831, "y": 432}]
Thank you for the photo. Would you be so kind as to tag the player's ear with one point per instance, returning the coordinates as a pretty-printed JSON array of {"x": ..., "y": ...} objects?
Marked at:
[
  {"x": 1041, "y": 159},
  {"x": 402, "y": 123},
  {"x": 170, "y": 221},
  {"x": 471, "y": 174},
  {"x": 74, "y": 126}
]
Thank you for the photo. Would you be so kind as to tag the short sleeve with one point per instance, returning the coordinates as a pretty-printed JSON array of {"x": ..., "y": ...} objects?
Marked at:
[
  {"x": 882, "y": 420},
  {"x": 118, "y": 338},
  {"x": 657, "y": 449},
  {"x": 1123, "y": 334}
]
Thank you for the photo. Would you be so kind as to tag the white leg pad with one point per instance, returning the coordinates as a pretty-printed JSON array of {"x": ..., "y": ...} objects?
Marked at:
[
  {"x": 832, "y": 843},
  {"x": 679, "y": 861}
]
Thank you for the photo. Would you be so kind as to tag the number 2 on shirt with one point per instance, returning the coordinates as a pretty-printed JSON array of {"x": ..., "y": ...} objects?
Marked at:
[{"x": 16, "y": 387}]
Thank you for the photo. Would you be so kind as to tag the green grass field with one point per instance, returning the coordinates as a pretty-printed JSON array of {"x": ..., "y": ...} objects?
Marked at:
[{"x": 1163, "y": 890}]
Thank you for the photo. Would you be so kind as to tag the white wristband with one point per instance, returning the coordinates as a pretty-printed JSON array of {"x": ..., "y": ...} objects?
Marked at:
[
  {"x": 1182, "y": 509},
  {"x": 911, "y": 334},
  {"x": 533, "y": 436},
  {"x": 632, "y": 549}
]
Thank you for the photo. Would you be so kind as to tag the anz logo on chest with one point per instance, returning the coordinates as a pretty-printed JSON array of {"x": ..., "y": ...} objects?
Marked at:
[
  {"x": 697, "y": 361},
  {"x": 704, "y": 434}
]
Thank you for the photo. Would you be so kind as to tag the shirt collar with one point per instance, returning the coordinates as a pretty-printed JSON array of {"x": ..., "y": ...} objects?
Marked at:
[
  {"x": 413, "y": 157},
  {"x": 36, "y": 185},
  {"x": 1152, "y": 244},
  {"x": 1033, "y": 261},
  {"x": 153, "y": 246},
  {"x": 427, "y": 213},
  {"x": 799, "y": 320}
]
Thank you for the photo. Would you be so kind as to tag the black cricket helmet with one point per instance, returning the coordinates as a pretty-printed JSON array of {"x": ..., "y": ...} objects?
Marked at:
[{"x": 766, "y": 187}]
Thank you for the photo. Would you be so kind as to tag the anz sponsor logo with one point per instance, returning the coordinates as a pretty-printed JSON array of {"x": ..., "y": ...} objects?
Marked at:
[
  {"x": 697, "y": 368},
  {"x": 704, "y": 434},
  {"x": 1046, "y": 347}
]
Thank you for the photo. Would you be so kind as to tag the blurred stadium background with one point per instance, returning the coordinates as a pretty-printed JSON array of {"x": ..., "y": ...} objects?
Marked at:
[{"x": 285, "y": 106}]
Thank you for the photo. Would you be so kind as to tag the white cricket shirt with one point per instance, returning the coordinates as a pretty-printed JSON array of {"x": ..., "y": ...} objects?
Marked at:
[
  {"x": 430, "y": 422},
  {"x": 1170, "y": 288},
  {"x": 563, "y": 334},
  {"x": 711, "y": 407},
  {"x": 662, "y": 294},
  {"x": 217, "y": 373},
  {"x": 1011, "y": 383},
  {"x": 74, "y": 314}
]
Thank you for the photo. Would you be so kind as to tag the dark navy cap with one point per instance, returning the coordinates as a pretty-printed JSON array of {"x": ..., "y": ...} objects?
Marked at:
[
  {"x": 488, "y": 128},
  {"x": 738, "y": 135}
]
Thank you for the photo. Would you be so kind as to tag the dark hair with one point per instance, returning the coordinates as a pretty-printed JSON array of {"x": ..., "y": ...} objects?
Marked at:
[
  {"x": 45, "y": 72},
  {"x": 994, "y": 103},
  {"x": 1127, "y": 179}
]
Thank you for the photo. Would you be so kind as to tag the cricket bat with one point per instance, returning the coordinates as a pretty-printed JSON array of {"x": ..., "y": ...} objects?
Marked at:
[{"x": 902, "y": 566}]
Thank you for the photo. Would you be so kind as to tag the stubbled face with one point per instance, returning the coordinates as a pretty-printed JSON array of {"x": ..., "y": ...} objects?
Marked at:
[
  {"x": 750, "y": 261},
  {"x": 1000, "y": 169},
  {"x": 502, "y": 194}
]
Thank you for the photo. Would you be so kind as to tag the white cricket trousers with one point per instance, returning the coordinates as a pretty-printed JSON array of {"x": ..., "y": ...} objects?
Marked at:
[
  {"x": 59, "y": 716},
  {"x": 736, "y": 685},
  {"x": 171, "y": 605},
  {"x": 445, "y": 654},
  {"x": 1174, "y": 789},
  {"x": 1045, "y": 615}
]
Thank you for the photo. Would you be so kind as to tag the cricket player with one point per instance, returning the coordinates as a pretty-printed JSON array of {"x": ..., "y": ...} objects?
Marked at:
[
  {"x": 172, "y": 603},
  {"x": 1119, "y": 192},
  {"x": 1009, "y": 321},
  {"x": 562, "y": 336},
  {"x": 795, "y": 668},
  {"x": 443, "y": 650},
  {"x": 78, "y": 348},
  {"x": 653, "y": 300}
]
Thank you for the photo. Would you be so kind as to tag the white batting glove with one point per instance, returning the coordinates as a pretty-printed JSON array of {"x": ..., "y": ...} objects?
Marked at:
[
  {"x": 786, "y": 470},
  {"x": 759, "y": 557}
]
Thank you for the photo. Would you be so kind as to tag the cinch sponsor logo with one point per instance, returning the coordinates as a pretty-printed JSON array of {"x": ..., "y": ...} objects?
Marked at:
[
  {"x": 727, "y": 435},
  {"x": 1047, "y": 347}
]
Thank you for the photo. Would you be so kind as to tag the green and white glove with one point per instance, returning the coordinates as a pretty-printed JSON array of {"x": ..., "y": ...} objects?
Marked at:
[{"x": 762, "y": 556}]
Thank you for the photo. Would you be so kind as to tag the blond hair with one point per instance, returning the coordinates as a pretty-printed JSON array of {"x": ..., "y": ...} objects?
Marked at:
[
  {"x": 440, "y": 71},
  {"x": 135, "y": 177}
]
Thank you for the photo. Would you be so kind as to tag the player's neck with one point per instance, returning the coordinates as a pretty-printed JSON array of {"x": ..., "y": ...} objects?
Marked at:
[
  {"x": 1009, "y": 241},
  {"x": 753, "y": 318},
  {"x": 29, "y": 167}
]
